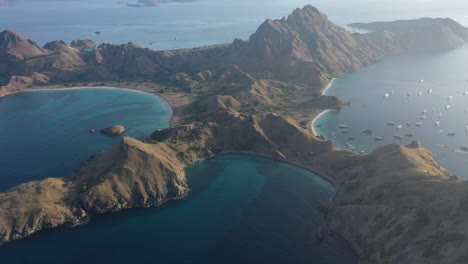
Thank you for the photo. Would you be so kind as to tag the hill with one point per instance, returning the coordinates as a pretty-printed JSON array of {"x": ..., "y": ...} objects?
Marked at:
[
  {"x": 129, "y": 175},
  {"x": 395, "y": 205}
]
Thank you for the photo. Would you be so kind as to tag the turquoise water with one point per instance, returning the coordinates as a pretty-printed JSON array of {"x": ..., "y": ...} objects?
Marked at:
[
  {"x": 242, "y": 209},
  {"x": 183, "y": 25},
  {"x": 445, "y": 73},
  {"x": 46, "y": 133}
]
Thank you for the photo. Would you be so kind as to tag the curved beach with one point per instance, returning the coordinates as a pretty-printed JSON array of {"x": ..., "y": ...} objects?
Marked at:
[{"x": 324, "y": 92}]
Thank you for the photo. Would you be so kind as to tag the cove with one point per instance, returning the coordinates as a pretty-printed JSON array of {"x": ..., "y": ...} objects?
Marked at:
[
  {"x": 242, "y": 209},
  {"x": 46, "y": 133},
  {"x": 445, "y": 83}
]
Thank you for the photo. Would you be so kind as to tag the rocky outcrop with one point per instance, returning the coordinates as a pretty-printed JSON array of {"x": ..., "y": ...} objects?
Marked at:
[
  {"x": 129, "y": 175},
  {"x": 113, "y": 130}
]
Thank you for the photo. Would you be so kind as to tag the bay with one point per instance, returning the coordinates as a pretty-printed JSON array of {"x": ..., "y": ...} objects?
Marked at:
[{"x": 46, "y": 133}]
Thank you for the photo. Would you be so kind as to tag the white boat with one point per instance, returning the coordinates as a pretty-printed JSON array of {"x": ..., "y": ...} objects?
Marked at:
[
  {"x": 424, "y": 111},
  {"x": 465, "y": 93},
  {"x": 465, "y": 148},
  {"x": 430, "y": 91},
  {"x": 409, "y": 134},
  {"x": 367, "y": 131},
  {"x": 343, "y": 126},
  {"x": 451, "y": 133},
  {"x": 447, "y": 106},
  {"x": 450, "y": 98},
  {"x": 378, "y": 138},
  {"x": 419, "y": 124},
  {"x": 399, "y": 126},
  {"x": 397, "y": 136},
  {"x": 421, "y": 81},
  {"x": 420, "y": 93},
  {"x": 437, "y": 123},
  {"x": 423, "y": 117},
  {"x": 390, "y": 123},
  {"x": 345, "y": 131},
  {"x": 386, "y": 95}
]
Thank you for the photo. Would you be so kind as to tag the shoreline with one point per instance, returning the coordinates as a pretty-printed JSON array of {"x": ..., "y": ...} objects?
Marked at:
[
  {"x": 328, "y": 86},
  {"x": 312, "y": 123},
  {"x": 337, "y": 188},
  {"x": 136, "y": 90},
  {"x": 314, "y": 120},
  {"x": 319, "y": 174}
]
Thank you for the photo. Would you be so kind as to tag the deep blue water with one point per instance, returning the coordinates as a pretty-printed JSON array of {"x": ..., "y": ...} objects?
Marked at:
[
  {"x": 46, "y": 133},
  {"x": 242, "y": 209},
  {"x": 183, "y": 25},
  {"x": 444, "y": 73}
]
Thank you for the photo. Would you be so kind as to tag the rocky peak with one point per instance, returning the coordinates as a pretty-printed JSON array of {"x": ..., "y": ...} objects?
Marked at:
[
  {"x": 14, "y": 47},
  {"x": 304, "y": 47},
  {"x": 56, "y": 45}
]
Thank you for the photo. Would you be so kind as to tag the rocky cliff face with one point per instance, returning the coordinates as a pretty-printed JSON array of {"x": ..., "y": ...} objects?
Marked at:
[{"x": 129, "y": 175}]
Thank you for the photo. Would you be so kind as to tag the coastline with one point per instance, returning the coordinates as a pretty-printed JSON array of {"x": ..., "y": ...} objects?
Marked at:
[
  {"x": 328, "y": 86},
  {"x": 324, "y": 92},
  {"x": 312, "y": 123},
  {"x": 320, "y": 174},
  {"x": 165, "y": 101}
]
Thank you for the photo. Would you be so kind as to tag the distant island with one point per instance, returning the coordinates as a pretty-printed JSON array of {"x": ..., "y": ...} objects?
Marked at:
[
  {"x": 143, "y": 3},
  {"x": 395, "y": 205},
  {"x": 139, "y": 3}
]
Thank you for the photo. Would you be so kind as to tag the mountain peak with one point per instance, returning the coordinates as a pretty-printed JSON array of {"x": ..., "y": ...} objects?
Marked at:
[{"x": 15, "y": 47}]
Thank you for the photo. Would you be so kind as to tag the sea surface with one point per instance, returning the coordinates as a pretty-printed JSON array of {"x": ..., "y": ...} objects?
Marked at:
[
  {"x": 185, "y": 25},
  {"x": 242, "y": 209},
  {"x": 46, "y": 133},
  {"x": 442, "y": 96}
]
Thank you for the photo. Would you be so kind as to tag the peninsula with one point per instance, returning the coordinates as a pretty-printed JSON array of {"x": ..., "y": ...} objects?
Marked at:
[{"x": 395, "y": 205}]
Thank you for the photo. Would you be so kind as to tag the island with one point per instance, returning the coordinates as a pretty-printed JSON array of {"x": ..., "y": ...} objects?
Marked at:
[
  {"x": 394, "y": 205},
  {"x": 113, "y": 130}
]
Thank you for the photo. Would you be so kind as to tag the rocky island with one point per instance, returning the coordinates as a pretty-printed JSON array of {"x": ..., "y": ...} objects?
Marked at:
[
  {"x": 113, "y": 130},
  {"x": 250, "y": 96}
]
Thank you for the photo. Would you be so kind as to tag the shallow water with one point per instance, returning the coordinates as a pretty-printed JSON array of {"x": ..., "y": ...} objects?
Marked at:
[
  {"x": 242, "y": 209},
  {"x": 445, "y": 73},
  {"x": 46, "y": 133}
]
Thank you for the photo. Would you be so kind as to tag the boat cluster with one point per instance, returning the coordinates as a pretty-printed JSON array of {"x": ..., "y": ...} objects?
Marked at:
[{"x": 345, "y": 129}]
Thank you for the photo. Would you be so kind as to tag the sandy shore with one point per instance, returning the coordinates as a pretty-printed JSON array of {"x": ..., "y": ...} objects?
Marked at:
[
  {"x": 136, "y": 90},
  {"x": 328, "y": 86},
  {"x": 324, "y": 92},
  {"x": 312, "y": 123}
]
